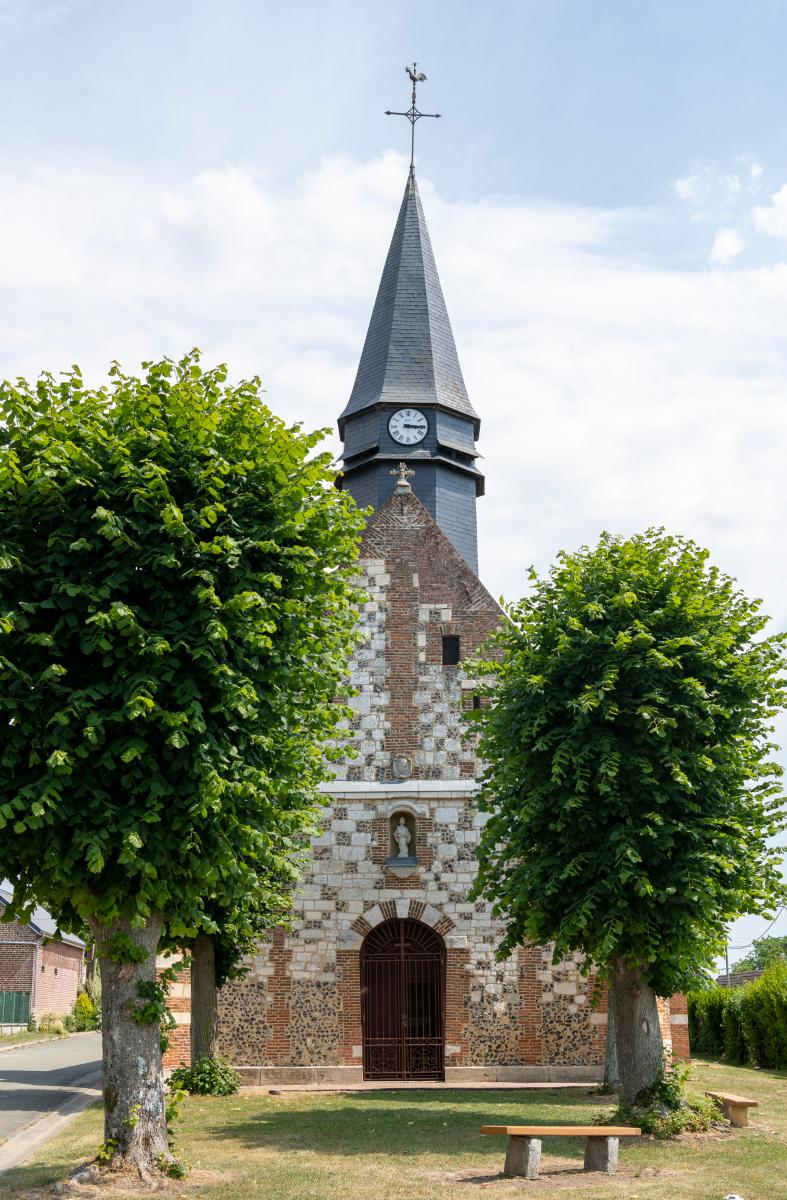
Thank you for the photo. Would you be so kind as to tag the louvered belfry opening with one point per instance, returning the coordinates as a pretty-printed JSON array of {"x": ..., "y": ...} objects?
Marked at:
[{"x": 403, "y": 991}]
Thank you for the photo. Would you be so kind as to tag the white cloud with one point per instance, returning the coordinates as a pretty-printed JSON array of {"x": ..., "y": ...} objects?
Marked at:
[
  {"x": 712, "y": 194},
  {"x": 771, "y": 218},
  {"x": 727, "y": 245},
  {"x": 614, "y": 392}
]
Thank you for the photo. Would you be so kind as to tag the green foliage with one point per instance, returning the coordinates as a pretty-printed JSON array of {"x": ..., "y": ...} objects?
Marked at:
[
  {"x": 93, "y": 989},
  {"x": 763, "y": 1015},
  {"x": 50, "y": 1023},
  {"x": 733, "y": 1039},
  {"x": 69, "y": 1023},
  {"x": 715, "y": 1026},
  {"x": 207, "y": 1077},
  {"x": 630, "y": 778},
  {"x": 172, "y": 1167},
  {"x": 667, "y": 1109},
  {"x": 764, "y": 952},
  {"x": 670, "y": 1086},
  {"x": 32, "y": 1024},
  {"x": 131, "y": 1119},
  {"x": 695, "y": 1115},
  {"x": 176, "y": 1094},
  {"x": 121, "y": 948},
  {"x": 85, "y": 1016},
  {"x": 152, "y": 1008},
  {"x": 176, "y": 612},
  {"x": 107, "y": 1151},
  {"x": 746, "y": 1024}
]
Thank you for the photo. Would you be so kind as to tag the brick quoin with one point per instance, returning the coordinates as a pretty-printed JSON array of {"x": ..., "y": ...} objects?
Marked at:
[{"x": 348, "y": 978}]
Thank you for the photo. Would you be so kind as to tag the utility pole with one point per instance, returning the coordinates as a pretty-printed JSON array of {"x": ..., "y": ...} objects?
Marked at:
[{"x": 727, "y": 961}]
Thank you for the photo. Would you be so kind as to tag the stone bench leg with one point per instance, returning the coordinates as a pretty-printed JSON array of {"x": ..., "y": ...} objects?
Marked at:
[
  {"x": 601, "y": 1154},
  {"x": 737, "y": 1115},
  {"x": 523, "y": 1154}
]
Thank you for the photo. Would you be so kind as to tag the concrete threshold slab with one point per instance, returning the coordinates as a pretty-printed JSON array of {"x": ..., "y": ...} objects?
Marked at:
[
  {"x": 24, "y": 1144},
  {"x": 410, "y": 1085}
]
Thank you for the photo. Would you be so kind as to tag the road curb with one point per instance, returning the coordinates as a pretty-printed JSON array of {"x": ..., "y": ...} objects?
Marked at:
[
  {"x": 56, "y": 1037},
  {"x": 25, "y": 1142}
]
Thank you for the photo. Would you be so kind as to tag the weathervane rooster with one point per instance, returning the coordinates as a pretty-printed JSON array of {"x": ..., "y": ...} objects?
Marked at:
[{"x": 412, "y": 113}]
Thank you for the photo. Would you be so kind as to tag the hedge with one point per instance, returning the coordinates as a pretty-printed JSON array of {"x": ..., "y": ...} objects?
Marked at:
[{"x": 746, "y": 1024}]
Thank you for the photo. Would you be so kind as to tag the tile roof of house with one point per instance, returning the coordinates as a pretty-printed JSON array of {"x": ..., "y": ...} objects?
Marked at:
[{"x": 41, "y": 922}]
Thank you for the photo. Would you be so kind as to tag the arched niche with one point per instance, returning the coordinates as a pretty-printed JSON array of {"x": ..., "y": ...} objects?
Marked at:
[{"x": 402, "y": 818}]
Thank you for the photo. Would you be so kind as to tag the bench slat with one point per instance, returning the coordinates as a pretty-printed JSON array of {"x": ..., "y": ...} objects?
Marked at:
[
  {"x": 563, "y": 1130},
  {"x": 730, "y": 1099}
]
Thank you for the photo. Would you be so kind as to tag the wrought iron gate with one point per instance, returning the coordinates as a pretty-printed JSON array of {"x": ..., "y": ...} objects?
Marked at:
[{"x": 402, "y": 980}]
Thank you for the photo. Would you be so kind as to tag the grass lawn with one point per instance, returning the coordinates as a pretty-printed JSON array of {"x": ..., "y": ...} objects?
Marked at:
[
  {"x": 13, "y": 1039},
  {"x": 427, "y": 1145}
]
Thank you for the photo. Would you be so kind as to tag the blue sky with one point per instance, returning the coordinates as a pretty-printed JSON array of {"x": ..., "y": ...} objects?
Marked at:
[
  {"x": 599, "y": 104},
  {"x": 606, "y": 193}
]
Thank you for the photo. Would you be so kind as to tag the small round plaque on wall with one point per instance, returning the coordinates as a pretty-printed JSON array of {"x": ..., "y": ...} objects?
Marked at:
[{"x": 402, "y": 766}]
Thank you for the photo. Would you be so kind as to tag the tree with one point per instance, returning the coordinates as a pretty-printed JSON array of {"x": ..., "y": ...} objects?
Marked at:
[
  {"x": 176, "y": 611},
  {"x": 764, "y": 952},
  {"x": 630, "y": 782},
  {"x": 229, "y": 934}
]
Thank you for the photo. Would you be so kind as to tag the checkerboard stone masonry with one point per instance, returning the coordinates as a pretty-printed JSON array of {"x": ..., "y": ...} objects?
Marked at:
[{"x": 298, "y": 1011}]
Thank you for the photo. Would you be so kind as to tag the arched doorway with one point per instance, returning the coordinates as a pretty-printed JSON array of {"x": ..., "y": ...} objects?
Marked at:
[{"x": 403, "y": 1002}]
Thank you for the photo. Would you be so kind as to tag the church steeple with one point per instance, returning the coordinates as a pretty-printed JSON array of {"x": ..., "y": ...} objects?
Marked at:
[
  {"x": 409, "y": 356},
  {"x": 409, "y": 401}
]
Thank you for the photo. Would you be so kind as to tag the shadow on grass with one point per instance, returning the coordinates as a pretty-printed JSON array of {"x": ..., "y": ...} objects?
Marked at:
[
  {"x": 405, "y": 1124},
  {"x": 19, "y": 1181}
]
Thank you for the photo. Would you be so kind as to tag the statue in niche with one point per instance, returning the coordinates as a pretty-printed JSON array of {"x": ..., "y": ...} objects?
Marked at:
[{"x": 402, "y": 837}]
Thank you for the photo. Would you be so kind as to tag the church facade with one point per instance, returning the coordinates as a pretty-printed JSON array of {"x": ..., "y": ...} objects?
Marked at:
[{"x": 389, "y": 970}]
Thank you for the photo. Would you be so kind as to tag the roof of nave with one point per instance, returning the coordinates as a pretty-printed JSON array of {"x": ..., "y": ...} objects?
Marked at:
[
  {"x": 405, "y": 530},
  {"x": 409, "y": 356}
]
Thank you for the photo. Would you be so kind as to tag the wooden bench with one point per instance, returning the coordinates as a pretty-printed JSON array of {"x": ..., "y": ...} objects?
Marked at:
[
  {"x": 523, "y": 1152},
  {"x": 735, "y": 1108}
]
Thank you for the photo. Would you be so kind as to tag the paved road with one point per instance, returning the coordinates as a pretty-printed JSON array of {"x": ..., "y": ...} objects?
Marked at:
[{"x": 35, "y": 1080}]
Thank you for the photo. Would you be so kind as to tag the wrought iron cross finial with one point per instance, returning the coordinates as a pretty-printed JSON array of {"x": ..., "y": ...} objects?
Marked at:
[
  {"x": 412, "y": 113},
  {"x": 403, "y": 475}
]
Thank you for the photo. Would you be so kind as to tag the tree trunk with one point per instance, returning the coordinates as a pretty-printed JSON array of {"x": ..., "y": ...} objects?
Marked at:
[
  {"x": 611, "y": 1073},
  {"x": 640, "y": 1051},
  {"x": 204, "y": 1008},
  {"x": 134, "y": 1116}
]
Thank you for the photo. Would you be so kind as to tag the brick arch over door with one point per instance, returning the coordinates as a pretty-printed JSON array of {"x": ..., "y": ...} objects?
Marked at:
[
  {"x": 348, "y": 970},
  {"x": 389, "y": 910}
]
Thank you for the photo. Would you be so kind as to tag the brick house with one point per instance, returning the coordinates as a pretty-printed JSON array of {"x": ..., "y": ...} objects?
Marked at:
[
  {"x": 389, "y": 971},
  {"x": 37, "y": 974}
]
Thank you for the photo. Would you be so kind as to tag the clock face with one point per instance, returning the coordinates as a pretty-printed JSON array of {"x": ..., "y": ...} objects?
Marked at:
[{"x": 408, "y": 426}]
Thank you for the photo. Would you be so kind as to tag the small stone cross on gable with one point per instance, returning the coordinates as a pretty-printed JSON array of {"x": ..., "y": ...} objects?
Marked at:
[{"x": 403, "y": 475}]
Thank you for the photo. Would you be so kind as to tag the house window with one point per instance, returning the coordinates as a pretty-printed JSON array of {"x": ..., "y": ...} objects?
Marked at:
[
  {"x": 476, "y": 701},
  {"x": 450, "y": 650}
]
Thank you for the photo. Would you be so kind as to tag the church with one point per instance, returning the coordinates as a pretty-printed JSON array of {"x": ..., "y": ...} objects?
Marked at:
[{"x": 389, "y": 970}]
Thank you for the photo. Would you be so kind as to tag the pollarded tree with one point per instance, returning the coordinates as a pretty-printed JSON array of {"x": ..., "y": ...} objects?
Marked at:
[
  {"x": 630, "y": 782},
  {"x": 257, "y": 902},
  {"x": 175, "y": 614}
]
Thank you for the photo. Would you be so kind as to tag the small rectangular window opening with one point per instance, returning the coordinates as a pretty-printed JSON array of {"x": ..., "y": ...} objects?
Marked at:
[
  {"x": 476, "y": 701},
  {"x": 450, "y": 650}
]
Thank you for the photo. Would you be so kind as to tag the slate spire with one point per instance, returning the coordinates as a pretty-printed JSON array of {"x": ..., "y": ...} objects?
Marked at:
[{"x": 409, "y": 356}]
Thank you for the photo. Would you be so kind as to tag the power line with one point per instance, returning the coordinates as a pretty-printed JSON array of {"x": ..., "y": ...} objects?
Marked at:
[{"x": 753, "y": 942}]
